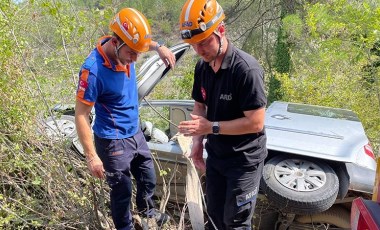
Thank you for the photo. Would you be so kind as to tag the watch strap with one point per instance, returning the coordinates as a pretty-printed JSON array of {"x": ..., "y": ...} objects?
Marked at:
[
  {"x": 215, "y": 128},
  {"x": 158, "y": 45}
]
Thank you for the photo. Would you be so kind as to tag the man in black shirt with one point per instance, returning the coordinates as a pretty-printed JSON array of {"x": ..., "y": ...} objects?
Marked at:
[{"x": 230, "y": 109}]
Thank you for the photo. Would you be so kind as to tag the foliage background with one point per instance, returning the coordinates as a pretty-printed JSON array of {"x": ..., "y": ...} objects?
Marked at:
[{"x": 318, "y": 52}]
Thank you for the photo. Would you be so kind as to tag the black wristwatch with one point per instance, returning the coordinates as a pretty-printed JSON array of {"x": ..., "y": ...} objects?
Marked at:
[{"x": 215, "y": 128}]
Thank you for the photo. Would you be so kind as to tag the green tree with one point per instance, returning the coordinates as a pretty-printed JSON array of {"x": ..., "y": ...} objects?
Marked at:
[
  {"x": 334, "y": 59},
  {"x": 42, "y": 46}
]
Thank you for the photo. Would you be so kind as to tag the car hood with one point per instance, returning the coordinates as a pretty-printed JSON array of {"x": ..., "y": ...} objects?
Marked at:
[
  {"x": 154, "y": 70},
  {"x": 322, "y": 132}
]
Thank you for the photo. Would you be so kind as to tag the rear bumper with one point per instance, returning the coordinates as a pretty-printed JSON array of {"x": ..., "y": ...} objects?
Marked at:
[{"x": 361, "y": 179}]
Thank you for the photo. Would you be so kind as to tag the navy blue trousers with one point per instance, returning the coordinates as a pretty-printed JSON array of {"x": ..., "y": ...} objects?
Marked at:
[
  {"x": 121, "y": 158},
  {"x": 231, "y": 192}
]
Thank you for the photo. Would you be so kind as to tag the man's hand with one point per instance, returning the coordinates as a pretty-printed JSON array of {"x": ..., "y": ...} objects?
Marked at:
[
  {"x": 197, "y": 156},
  {"x": 95, "y": 165},
  {"x": 197, "y": 126},
  {"x": 167, "y": 56}
]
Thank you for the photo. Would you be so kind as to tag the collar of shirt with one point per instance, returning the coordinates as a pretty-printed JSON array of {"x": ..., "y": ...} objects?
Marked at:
[
  {"x": 107, "y": 62},
  {"x": 227, "y": 60}
]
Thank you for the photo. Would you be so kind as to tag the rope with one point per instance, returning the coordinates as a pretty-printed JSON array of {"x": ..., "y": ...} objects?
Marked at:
[{"x": 194, "y": 193}]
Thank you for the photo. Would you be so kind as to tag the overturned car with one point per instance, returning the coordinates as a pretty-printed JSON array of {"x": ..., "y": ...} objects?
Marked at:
[{"x": 319, "y": 157}]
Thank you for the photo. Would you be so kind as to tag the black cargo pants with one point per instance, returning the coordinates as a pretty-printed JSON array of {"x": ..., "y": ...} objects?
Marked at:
[
  {"x": 121, "y": 158},
  {"x": 231, "y": 192}
]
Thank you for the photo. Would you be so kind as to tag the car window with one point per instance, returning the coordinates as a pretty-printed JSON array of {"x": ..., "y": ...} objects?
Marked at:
[
  {"x": 323, "y": 112},
  {"x": 158, "y": 116}
]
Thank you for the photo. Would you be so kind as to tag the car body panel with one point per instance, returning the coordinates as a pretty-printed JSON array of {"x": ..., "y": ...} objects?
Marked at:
[
  {"x": 361, "y": 178},
  {"x": 327, "y": 141},
  {"x": 329, "y": 138},
  {"x": 154, "y": 70}
]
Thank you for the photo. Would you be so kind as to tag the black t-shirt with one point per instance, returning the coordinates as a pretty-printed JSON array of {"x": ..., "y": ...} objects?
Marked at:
[{"x": 238, "y": 86}]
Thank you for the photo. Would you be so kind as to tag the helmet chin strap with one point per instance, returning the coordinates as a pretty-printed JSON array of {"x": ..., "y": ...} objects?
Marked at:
[
  {"x": 221, "y": 41},
  {"x": 220, "y": 47},
  {"x": 117, "y": 50}
]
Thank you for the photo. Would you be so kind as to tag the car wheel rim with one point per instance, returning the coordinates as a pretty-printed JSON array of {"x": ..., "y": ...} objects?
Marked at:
[
  {"x": 65, "y": 128},
  {"x": 300, "y": 175}
]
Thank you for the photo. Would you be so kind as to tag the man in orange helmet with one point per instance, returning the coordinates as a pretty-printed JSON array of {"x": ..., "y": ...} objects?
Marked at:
[
  {"x": 229, "y": 108},
  {"x": 108, "y": 83}
]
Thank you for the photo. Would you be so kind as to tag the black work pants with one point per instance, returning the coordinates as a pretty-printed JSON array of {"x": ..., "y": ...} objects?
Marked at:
[
  {"x": 231, "y": 191},
  {"x": 120, "y": 158}
]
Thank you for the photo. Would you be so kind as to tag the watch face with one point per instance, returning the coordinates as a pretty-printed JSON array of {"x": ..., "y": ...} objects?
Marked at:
[{"x": 215, "y": 128}]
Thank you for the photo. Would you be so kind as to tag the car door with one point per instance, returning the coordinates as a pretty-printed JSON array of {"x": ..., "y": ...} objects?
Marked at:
[{"x": 154, "y": 70}]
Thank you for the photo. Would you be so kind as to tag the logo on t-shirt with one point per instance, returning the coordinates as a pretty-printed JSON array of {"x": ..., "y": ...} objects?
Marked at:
[
  {"x": 226, "y": 97},
  {"x": 83, "y": 85},
  {"x": 203, "y": 91}
]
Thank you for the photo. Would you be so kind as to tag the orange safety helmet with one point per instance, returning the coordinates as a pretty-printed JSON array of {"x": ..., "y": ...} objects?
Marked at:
[
  {"x": 133, "y": 28},
  {"x": 199, "y": 19}
]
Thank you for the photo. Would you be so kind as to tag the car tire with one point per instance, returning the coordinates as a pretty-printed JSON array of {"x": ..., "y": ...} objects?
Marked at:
[
  {"x": 299, "y": 185},
  {"x": 344, "y": 180},
  {"x": 66, "y": 127},
  {"x": 337, "y": 216}
]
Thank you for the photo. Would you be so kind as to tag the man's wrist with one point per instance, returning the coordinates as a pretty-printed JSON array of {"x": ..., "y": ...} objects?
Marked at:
[
  {"x": 89, "y": 160},
  {"x": 90, "y": 157},
  {"x": 198, "y": 139},
  {"x": 215, "y": 128},
  {"x": 158, "y": 45}
]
